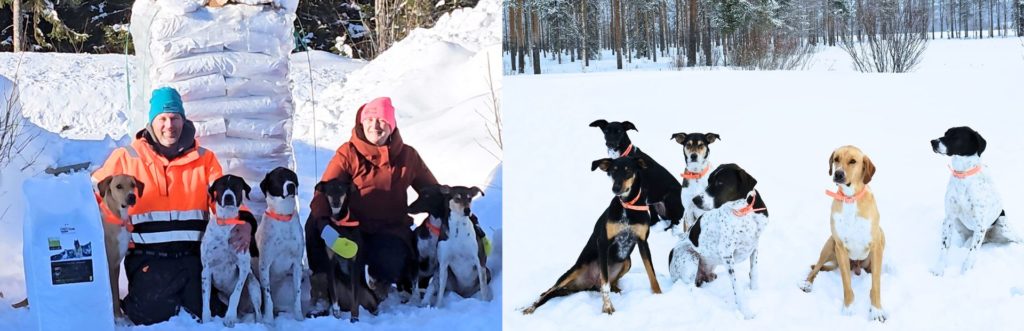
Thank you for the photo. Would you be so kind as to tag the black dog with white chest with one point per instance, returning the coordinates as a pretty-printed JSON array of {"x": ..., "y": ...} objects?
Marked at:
[
  {"x": 346, "y": 273},
  {"x": 663, "y": 188},
  {"x": 624, "y": 225}
]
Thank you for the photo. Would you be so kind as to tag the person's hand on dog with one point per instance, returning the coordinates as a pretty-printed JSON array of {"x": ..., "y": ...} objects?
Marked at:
[{"x": 240, "y": 237}]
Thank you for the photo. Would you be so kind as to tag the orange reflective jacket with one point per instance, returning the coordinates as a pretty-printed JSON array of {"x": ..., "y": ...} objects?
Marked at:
[{"x": 175, "y": 204}]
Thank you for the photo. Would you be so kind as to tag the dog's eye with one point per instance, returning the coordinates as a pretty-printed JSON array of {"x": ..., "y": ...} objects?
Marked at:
[
  {"x": 853, "y": 161},
  {"x": 119, "y": 186}
]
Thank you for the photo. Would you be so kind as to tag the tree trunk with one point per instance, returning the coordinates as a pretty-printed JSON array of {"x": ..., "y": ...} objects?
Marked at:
[
  {"x": 617, "y": 32},
  {"x": 535, "y": 39},
  {"x": 17, "y": 28},
  {"x": 583, "y": 19},
  {"x": 521, "y": 32},
  {"x": 513, "y": 47},
  {"x": 691, "y": 47}
]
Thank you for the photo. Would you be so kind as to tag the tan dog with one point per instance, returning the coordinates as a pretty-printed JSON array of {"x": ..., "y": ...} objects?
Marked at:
[
  {"x": 117, "y": 193},
  {"x": 857, "y": 242}
]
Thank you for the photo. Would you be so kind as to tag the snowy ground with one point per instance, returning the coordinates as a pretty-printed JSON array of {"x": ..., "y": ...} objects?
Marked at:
[
  {"x": 941, "y": 55},
  {"x": 437, "y": 77},
  {"x": 779, "y": 126}
]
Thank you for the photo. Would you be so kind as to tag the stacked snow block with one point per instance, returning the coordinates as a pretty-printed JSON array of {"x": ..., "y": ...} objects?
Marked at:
[{"x": 230, "y": 65}]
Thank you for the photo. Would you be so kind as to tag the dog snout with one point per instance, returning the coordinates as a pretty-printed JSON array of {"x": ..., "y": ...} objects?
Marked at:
[
  {"x": 229, "y": 200},
  {"x": 693, "y": 157},
  {"x": 131, "y": 199},
  {"x": 935, "y": 145},
  {"x": 698, "y": 201},
  {"x": 617, "y": 188},
  {"x": 839, "y": 177}
]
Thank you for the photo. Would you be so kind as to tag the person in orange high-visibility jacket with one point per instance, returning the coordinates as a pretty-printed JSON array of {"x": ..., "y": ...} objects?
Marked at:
[{"x": 162, "y": 265}]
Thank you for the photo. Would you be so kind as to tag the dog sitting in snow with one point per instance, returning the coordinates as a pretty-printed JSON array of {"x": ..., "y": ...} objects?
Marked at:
[
  {"x": 117, "y": 194},
  {"x": 344, "y": 282},
  {"x": 697, "y": 149},
  {"x": 460, "y": 254},
  {"x": 663, "y": 189},
  {"x": 430, "y": 200},
  {"x": 625, "y": 224},
  {"x": 857, "y": 241},
  {"x": 281, "y": 242},
  {"x": 974, "y": 211},
  {"x": 726, "y": 234},
  {"x": 223, "y": 267}
]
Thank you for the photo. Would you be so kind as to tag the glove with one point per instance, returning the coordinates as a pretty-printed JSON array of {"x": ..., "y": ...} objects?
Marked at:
[{"x": 344, "y": 247}]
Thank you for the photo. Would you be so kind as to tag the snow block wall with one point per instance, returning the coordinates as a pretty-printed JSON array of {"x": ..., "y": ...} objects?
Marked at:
[{"x": 230, "y": 65}]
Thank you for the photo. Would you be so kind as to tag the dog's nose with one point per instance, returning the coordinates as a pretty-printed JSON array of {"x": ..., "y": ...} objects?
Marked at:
[
  {"x": 616, "y": 188},
  {"x": 698, "y": 201},
  {"x": 229, "y": 200},
  {"x": 131, "y": 199},
  {"x": 693, "y": 157},
  {"x": 839, "y": 177},
  {"x": 935, "y": 145}
]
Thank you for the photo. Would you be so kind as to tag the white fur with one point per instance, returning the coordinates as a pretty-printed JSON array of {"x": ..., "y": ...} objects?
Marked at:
[
  {"x": 727, "y": 239},
  {"x": 972, "y": 210},
  {"x": 225, "y": 268},
  {"x": 691, "y": 188},
  {"x": 281, "y": 246},
  {"x": 459, "y": 254},
  {"x": 852, "y": 230},
  {"x": 428, "y": 249}
]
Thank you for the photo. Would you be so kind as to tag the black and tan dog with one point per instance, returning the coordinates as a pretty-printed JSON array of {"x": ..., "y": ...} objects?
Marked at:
[
  {"x": 345, "y": 278},
  {"x": 857, "y": 241},
  {"x": 663, "y": 188},
  {"x": 625, "y": 224}
]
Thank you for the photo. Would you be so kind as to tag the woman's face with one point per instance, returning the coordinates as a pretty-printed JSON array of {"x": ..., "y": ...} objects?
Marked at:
[{"x": 376, "y": 130}]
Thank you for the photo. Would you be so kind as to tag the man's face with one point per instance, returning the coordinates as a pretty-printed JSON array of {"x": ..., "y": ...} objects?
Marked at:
[
  {"x": 376, "y": 130},
  {"x": 167, "y": 128}
]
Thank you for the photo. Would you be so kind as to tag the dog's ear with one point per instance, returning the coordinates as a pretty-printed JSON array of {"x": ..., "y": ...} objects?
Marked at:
[
  {"x": 679, "y": 137},
  {"x": 352, "y": 188},
  {"x": 604, "y": 164},
  {"x": 475, "y": 190},
  {"x": 139, "y": 185},
  {"x": 246, "y": 188},
  {"x": 711, "y": 137},
  {"x": 599, "y": 124},
  {"x": 869, "y": 169},
  {"x": 318, "y": 187},
  {"x": 627, "y": 125},
  {"x": 445, "y": 189},
  {"x": 265, "y": 185},
  {"x": 746, "y": 181},
  {"x": 211, "y": 191},
  {"x": 641, "y": 163},
  {"x": 980, "y": 142},
  {"x": 104, "y": 186},
  {"x": 830, "y": 157}
]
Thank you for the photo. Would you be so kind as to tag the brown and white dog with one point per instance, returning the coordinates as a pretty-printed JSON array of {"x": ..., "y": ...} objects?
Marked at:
[{"x": 857, "y": 241}]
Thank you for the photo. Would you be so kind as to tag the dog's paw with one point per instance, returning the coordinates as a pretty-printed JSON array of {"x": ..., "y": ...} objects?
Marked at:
[
  {"x": 938, "y": 270},
  {"x": 229, "y": 323},
  {"x": 878, "y": 314},
  {"x": 847, "y": 311},
  {"x": 806, "y": 286},
  {"x": 968, "y": 265},
  {"x": 747, "y": 314},
  {"x": 528, "y": 310},
  {"x": 336, "y": 311},
  {"x": 608, "y": 309},
  {"x": 353, "y": 320}
]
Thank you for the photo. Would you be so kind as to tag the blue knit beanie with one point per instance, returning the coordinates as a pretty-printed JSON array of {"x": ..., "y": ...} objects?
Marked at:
[{"x": 165, "y": 100}]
